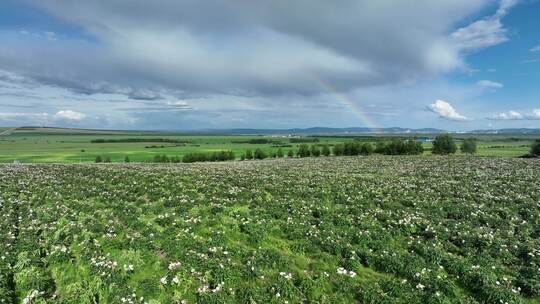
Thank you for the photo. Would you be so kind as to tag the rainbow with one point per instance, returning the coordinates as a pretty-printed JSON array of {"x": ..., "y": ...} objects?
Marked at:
[{"x": 346, "y": 101}]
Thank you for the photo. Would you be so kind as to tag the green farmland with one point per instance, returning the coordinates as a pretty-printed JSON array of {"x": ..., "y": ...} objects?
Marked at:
[
  {"x": 68, "y": 146},
  {"x": 377, "y": 229}
]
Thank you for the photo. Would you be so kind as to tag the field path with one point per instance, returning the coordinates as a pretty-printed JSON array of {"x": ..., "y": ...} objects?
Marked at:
[{"x": 7, "y": 132}]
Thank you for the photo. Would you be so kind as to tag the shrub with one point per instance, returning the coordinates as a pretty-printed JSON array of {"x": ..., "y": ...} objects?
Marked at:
[
  {"x": 315, "y": 151},
  {"x": 98, "y": 159},
  {"x": 413, "y": 147},
  {"x": 249, "y": 154},
  {"x": 300, "y": 140},
  {"x": 255, "y": 141},
  {"x": 444, "y": 144},
  {"x": 280, "y": 153},
  {"x": 468, "y": 146},
  {"x": 325, "y": 150},
  {"x": 366, "y": 149},
  {"x": 535, "y": 148},
  {"x": 259, "y": 154},
  {"x": 379, "y": 147},
  {"x": 290, "y": 153},
  {"x": 395, "y": 147},
  {"x": 137, "y": 140},
  {"x": 339, "y": 149},
  {"x": 303, "y": 151},
  {"x": 206, "y": 157},
  {"x": 160, "y": 159},
  {"x": 351, "y": 148},
  {"x": 126, "y": 159}
]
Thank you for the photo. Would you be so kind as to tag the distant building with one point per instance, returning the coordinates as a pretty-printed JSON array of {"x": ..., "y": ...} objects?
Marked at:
[{"x": 424, "y": 139}]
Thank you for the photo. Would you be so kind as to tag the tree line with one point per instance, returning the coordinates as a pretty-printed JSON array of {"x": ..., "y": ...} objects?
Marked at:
[
  {"x": 443, "y": 144},
  {"x": 137, "y": 140}
]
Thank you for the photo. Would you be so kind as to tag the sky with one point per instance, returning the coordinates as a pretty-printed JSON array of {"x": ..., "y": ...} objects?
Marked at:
[{"x": 220, "y": 64}]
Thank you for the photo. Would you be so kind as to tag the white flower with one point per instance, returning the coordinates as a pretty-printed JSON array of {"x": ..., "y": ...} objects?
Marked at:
[
  {"x": 174, "y": 265},
  {"x": 163, "y": 280}
]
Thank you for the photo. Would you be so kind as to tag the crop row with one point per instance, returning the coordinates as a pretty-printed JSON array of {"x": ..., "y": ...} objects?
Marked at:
[{"x": 329, "y": 230}]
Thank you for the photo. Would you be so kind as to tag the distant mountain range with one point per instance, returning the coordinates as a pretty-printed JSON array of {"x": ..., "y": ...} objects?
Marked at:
[
  {"x": 319, "y": 131},
  {"x": 507, "y": 131},
  {"x": 345, "y": 131},
  {"x": 294, "y": 131}
]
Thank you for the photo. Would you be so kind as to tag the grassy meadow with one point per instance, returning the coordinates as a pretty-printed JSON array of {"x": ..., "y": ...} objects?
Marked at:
[
  {"x": 377, "y": 229},
  {"x": 75, "y": 146}
]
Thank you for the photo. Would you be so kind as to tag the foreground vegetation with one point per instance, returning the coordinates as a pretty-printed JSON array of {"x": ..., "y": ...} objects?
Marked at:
[{"x": 378, "y": 229}]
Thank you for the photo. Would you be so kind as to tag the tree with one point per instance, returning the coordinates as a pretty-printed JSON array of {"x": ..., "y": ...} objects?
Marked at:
[
  {"x": 126, "y": 159},
  {"x": 280, "y": 153},
  {"x": 535, "y": 148},
  {"x": 351, "y": 148},
  {"x": 259, "y": 154},
  {"x": 325, "y": 150},
  {"x": 315, "y": 151},
  {"x": 303, "y": 151},
  {"x": 380, "y": 147},
  {"x": 413, "y": 147},
  {"x": 366, "y": 149},
  {"x": 99, "y": 159},
  {"x": 339, "y": 149},
  {"x": 290, "y": 153},
  {"x": 395, "y": 147},
  {"x": 444, "y": 144},
  {"x": 468, "y": 146}
]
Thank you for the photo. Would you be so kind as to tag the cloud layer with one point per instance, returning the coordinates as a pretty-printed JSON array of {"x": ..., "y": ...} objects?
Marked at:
[
  {"x": 218, "y": 63},
  {"x": 65, "y": 116},
  {"x": 515, "y": 115},
  {"x": 249, "y": 48}
]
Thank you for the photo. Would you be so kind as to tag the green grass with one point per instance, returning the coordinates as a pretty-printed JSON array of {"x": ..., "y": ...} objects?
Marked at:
[
  {"x": 31, "y": 146},
  {"x": 377, "y": 229}
]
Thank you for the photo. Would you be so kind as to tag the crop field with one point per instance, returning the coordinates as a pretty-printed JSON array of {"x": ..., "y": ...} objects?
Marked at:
[
  {"x": 75, "y": 146},
  {"x": 377, "y": 229}
]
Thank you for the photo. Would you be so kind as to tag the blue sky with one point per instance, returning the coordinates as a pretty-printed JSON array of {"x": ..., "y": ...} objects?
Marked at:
[{"x": 457, "y": 65}]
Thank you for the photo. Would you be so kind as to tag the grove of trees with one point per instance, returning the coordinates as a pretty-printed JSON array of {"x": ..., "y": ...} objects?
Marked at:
[
  {"x": 208, "y": 157},
  {"x": 444, "y": 144}
]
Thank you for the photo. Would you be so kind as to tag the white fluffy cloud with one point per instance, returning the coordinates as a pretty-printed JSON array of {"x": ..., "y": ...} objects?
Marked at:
[
  {"x": 490, "y": 84},
  {"x": 446, "y": 110},
  {"x": 515, "y": 115},
  {"x": 70, "y": 115},
  {"x": 536, "y": 49}
]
